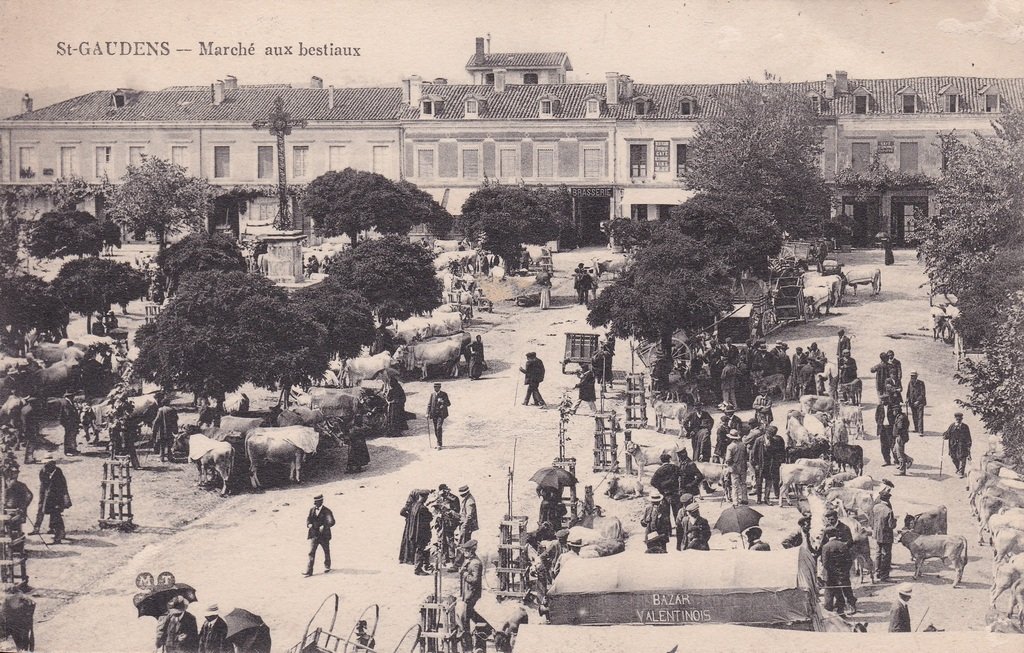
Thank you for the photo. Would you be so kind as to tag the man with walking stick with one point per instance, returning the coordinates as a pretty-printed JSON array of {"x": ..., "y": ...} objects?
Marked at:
[{"x": 959, "y": 436}]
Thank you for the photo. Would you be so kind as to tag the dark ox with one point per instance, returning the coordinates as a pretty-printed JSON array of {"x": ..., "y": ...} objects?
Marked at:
[
  {"x": 818, "y": 448},
  {"x": 929, "y": 522},
  {"x": 851, "y": 455}
]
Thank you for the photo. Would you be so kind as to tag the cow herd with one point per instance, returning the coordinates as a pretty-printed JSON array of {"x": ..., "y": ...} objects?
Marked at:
[{"x": 996, "y": 496}]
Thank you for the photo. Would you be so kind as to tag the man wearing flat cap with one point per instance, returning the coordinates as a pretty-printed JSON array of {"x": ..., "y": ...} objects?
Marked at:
[
  {"x": 319, "y": 523},
  {"x": 959, "y": 436},
  {"x": 533, "y": 375},
  {"x": 917, "y": 399},
  {"x": 214, "y": 633},
  {"x": 471, "y": 576},
  {"x": 699, "y": 530},
  {"x": 883, "y": 522},
  {"x": 728, "y": 423},
  {"x": 899, "y": 616},
  {"x": 754, "y": 542}
]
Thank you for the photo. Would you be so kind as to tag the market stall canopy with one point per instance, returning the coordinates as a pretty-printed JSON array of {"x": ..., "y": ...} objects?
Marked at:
[
  {"x": 533, "y": 638},
  {"x": 735, "y": 586}
]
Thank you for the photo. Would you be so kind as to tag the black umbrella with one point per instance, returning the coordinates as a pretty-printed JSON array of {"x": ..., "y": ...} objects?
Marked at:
[
  {"x": 154, "y": 602},
  {"x": 737, "y": 519},
  {"x": 555, "y": 478},
  {"x": 239, "y": 621}
]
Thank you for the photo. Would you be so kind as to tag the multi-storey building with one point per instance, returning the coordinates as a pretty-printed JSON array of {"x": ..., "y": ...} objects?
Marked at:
[{"x": 621, "y": 147}]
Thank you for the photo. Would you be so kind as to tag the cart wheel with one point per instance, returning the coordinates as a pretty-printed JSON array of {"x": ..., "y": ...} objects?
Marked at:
[
  {"x": 371, "y": 630},
  {"x": 410, "y": 640}
]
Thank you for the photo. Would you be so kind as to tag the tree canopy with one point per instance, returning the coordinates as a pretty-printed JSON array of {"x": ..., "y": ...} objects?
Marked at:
[
  {"x": 997, "y": 382},
  {"x": 675, "y": 282},
  {"x": 395, "y": 276},
  {"x": 506, "y": 217},
  {"x": 200, "y": 252},
  {"x": 744, "y": 235},
  {"x": 27, "y": 302},
  {"x": 350, "y": 201},
  {"x": 91, "y": 285},
  {"x": 223, "y": 329},
  {"x": 345, "y": 315},
  {"x": 159, "y": 197},
  {"x": 66, "y": 233},
  {"x": 763, "y": 148}
]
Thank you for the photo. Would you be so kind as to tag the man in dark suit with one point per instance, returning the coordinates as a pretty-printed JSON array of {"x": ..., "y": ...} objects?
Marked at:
[
  {"x": 437, "y": 412},
  {"x": 319, "y": 523},
  {"x": 836, "y": 561},
  {"x": 533, "y": 371},
  {"x": 899, "y": 617},
  {"x": 959, "y": 436},
  {"x": 918, "y": 399},
  {"x": 883, "y": 522},
  {"x": 213, "y": 633},
  {"x": 844, "y": 343},
  {"x": 883, "y": 423},
  {"x": 176, "y": 631},
  {"x": 53, "y": 498},
  {"x": 68, "y": 418}
]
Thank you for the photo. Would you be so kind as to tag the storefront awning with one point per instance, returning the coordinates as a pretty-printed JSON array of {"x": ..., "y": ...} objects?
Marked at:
[{"x": 633, "y": 195}]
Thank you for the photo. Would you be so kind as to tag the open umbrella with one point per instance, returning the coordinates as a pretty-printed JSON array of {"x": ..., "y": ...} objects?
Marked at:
[
  {"x": 154, "y": 602},
  {"x": 555, "y": 478},
  {"x": 737, "y": 519},
  {"x": 240, "y": 621}
]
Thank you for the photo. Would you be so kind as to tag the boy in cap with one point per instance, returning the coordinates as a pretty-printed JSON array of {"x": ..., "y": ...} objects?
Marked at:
[
  {"x": 437, "y": 412},
  {"x": 319, "y": 523},
  {"x": 754, "y": 542},
  {"x": 699, "y": 531},
  {"x": 899, "y": 616}
]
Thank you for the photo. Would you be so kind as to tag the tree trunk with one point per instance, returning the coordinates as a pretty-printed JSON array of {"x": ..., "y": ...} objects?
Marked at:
[
  {"x": 160, "y": 238},
  {"x": 666, "y": 344},
  {"x": 88, "y": 322},
  {"x": 353, "y": 235}
]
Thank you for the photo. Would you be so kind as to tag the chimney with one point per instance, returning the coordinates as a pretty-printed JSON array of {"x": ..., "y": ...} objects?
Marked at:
[
  {"x": 830, "y": 87},
  {"x": 217, "y": 92},
  {"x": 230, "y": 83},
  {"x": 316, "y": 82},
  {"x": 441, "y": 81},
  {"x": 26, "y": 103},
  {"x": 488, "y": 42},
  {"x": 499, "y": 80},
  {"x": 330, "y": 97},
  {"x": 842, "y": 82},
  {"x": 611, "y": 95},
  {"x": 480, "y": 46},
  {"x": 415, "y": 90},
  {"x": 627, "y": 87}
]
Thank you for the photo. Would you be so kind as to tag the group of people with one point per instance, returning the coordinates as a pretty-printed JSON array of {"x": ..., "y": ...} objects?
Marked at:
[
  {"x": 437, "y": 524},
  {"x": 585, "y": 283},
  {"x": 178, "y": 632}
]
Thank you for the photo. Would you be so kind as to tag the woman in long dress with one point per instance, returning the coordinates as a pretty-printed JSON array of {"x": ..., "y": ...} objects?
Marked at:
[{"x": 544, "y": 281}]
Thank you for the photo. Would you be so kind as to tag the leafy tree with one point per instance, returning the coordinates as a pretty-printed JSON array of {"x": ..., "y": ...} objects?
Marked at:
[
  {"x": 65, "y": 233},
  {"x": 351, "y": 201},
  {"x": 10, "y": 238},
  {"x": 28, "y": 302},
  {"x": 505, "y": 217},
  {"x": 763, "y": 148},
  {"x": 200, "y": 252},
  {"x": 675, "y": 282},
  {"x": 982, "y": 197},
  {"x": 111, "y": 234},
  {"x": 92, "y": 285},
  {"x": 158, "y": 197},
  {"x": 997, "y": 382},
  {"x": 988, "y": 289},
  {"x": 344, "y": 313},
  {"x": 743, "y": 235},
  {"x": 395, "y": 276},
  {"x": 223, "y": 329},
  {"x": 630, "y": 233}
]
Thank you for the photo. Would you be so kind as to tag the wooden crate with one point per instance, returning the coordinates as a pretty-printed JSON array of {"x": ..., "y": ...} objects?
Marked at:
[
  {"x": 636, "y": 402},
  {"x": 513, "y": 559},
  {"x": 606, "y": 449},
  {"x": 152, "y": 312},
  {"x": 13, "y": 571}
]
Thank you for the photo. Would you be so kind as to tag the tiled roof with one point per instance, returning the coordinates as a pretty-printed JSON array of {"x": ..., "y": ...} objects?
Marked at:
[
  {"x": 244, "y": 104},
  {"x": 519, "y": 60},
  {"x": 518, "y": 102},
  {"x": 884, "y": 98}
]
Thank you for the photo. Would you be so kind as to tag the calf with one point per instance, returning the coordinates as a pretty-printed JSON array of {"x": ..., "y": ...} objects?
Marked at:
[
  {"x": 840, "y": 479},
  {"x": 713, "y": 472},
  {"x": 818, "y": 448},
  {"x": 929, "y": 522},
  {"x": 861, "y": 483},
  {"x": 794, "y": 476},
  {"x": 952, "y": 549},
  {"x": 665, "y": 411},
  {"x": 848, "y": 454},
  {"x": 817, "y": 404}
]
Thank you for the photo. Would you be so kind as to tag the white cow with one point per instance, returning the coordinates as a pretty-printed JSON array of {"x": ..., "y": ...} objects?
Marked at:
[
  {"x": 354, "y": 370},
  {"x": 862, "y": 275}
]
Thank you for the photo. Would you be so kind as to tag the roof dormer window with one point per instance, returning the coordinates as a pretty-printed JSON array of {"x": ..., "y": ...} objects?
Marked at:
[
  {"x": 952, "y": 103},
  {"x": 643, "y": 106},
  {"x": 908, "y": 100},
  {"x": 991, "y": 102},
  {"x": 431, "y": 106},
  {"x": 814, "y": 101},
  {"x": 474, "y": 106},
  {"x": 119, "y": 99},
  {"x": 860, "y": 104},
  {"x": 428, "y": 108},
  {"x": 547, "y": 106},
  {"x": 593, "y": 108},
  {"x": 686, "y": 107}
]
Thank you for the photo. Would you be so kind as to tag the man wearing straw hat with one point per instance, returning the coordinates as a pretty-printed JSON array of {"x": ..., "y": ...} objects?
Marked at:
[
  {"x": 736, "y": 457},
  {"x": 214, "y": 632}
]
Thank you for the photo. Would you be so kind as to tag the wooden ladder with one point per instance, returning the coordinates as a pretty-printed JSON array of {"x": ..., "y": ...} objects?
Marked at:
[{"x": 116, "y": 499}]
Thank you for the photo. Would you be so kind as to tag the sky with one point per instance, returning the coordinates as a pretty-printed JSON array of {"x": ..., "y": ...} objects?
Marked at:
[{"x": 652, "y": 41}]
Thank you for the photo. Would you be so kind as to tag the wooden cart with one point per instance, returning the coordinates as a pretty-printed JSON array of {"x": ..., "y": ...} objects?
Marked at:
[
  {"x": 579, "y": 348},
  {"x": 360, "y": 638}
]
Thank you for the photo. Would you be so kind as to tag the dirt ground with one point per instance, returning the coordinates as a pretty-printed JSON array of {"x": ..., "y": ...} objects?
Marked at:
[{"x": 250, "y": 550}]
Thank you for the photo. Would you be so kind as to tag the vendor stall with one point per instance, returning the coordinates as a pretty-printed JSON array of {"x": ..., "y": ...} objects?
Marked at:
[{"x": 767, "y": 588}]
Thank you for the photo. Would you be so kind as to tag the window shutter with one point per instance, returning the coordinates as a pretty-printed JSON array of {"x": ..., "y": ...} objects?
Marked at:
[
  {"x": 448, "y": 165},
  {"x": 410, "y": 170},
  {"x": 568, "y": 159},
  {"x": 489, "y": 160},
  {"x": 526, "y": 160}
]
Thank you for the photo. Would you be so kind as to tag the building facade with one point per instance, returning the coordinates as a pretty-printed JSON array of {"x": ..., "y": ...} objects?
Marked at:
[{"x": 620, "y": 147}]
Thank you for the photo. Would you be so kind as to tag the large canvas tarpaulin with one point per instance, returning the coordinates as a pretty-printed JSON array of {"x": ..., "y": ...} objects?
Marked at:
[
  {"x": 533, "y": 638},
  {"x": 692, "y": 587}
]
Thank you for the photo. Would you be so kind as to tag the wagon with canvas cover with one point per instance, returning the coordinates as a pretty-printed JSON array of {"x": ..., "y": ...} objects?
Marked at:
[{"x": 752, "y": 588}]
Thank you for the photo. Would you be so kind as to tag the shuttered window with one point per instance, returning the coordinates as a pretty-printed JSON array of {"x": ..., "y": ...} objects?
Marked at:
[
  {"x": 680, "y": 159},
  {"x": 300, "y": 161},
  {"x": 545, "y": 163},
  {"x": 135, "y": 154},
  {"x": 470, "y": 164},
  {"x": 222, "y": 161},
  {"x": 908, "y": 157},
  {"x": 860, "y": 155},
  {"x": 103, "y": 155},
  {"x": 179, "y": 155},
  {"x": 381, "y": 159},
  {"x": 637, "y": 160},
  {"x": 265, "y": 161},
  {"x": 592, "y": 162},
  {"x": 425, "y": 164},
  {"x": 507, "y": 164},
  {"x": 68, "y": 163},
  {"x": 337, "y": 158}
]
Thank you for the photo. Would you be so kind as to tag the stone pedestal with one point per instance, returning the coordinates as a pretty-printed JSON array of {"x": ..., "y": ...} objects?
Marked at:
[{"x": 284, "y": 254}]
